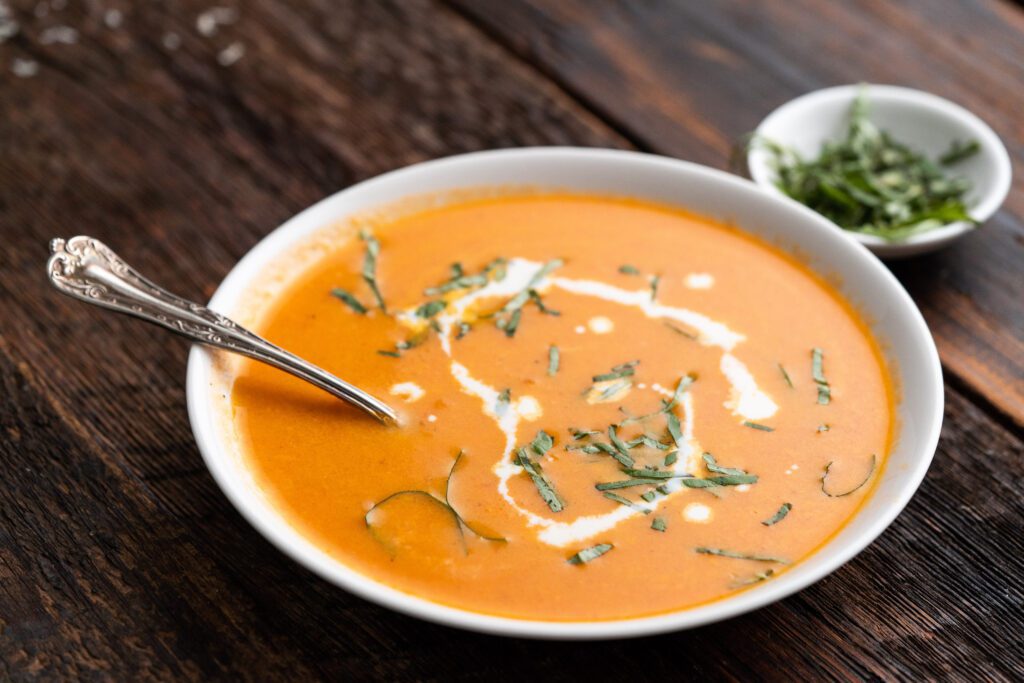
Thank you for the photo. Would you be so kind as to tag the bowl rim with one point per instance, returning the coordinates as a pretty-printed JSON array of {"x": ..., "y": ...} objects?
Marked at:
[
  {"x": 990, "y": 200},
  {"x": 293, "y": 544}
]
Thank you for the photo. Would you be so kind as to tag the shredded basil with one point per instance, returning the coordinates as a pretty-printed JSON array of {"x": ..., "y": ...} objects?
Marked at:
[
  {"x": 680, "y": 331},
  {"x": 658, "y": 524},
  {"x": 755, "y": 425},
  {"x": 627, "y": 269},
  {"x": 370, "y": 266},
  {"x": 542, "y": 443},
  {"x": 350, "y": 300},
  {"x": 785, "y": 375},
  {"x": 430, "y": 309},
  {"x": 501, "y": 405},
  {"x": 553, "y": 360},
  {"x": 513, "y": 308},
  {"x": 625, "y": 501},
  {"x": 655, "y": 281},
  {"x": 756, "y": 578},
  {"x": 590, "y": 554},
  {"x": 578, "y": 434},
  {"x": 544, "y": 488},
  {"x": 709, "y": 462},
  {"x": 671, "y": 458},
  {"x": 858, "y": 486},
  {"x": 617, "y": 372},
  {"x": 740, "y": 556},
  {"x": 778, "y": 516},
  {"x": 624, "y": 484},
  {"x": 870, "y": 183},
  {"x": 445, "y": 503},
  {"x": 824, "y": 390}
]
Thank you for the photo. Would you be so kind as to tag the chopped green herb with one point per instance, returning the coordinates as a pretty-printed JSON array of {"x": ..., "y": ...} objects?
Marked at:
[
  {"x": 370, "y": 266},
  {"x": 671, "y": 458},
  {"x": 740, "y": 556},
  {"x": 709, "y": 462},
  {"x": 871, "y": 471},
  {"x": 511, "y": 324},
  {"x": 652, "y": 474},
  {"x": 590, "y": 554},
  {"x": 513, "y": 308},
  {"x": 658, "y": 524},
  {"x": 674, "y": 430},
  {"x": 620, "y": 446},
  {"x": 625, "y": 501},
  {"x": 624, "y": 484},
  {"x": 463, "y": 330},
  {"x": 613, "y": 389},
  {"x": 724, "y": 480},
  {"x": 755, "y": 425},
  {"x": 390, "y": 354},
  {"x": 501, "y": 405},
  {"x": 624, "y": 458},
  {"x": 680, "y": 331},
  {"x": 544, "y": 488},
  {"x": 553, "y": 359},
  {"x": 617, "y": 372},
  {"x": 536, "y": 299},
  {"x": 958, "y": 151},
  {"x": 870, "y": 183},
  {"x": 756, "y": 578},
  {"x": 627, "y": 269},
  {"x": 430, "y": 309},
  {"x": 778, "y": 516},
  {"x": 666, "y": 406},
  {"x": 649, "y": 496},
  {"x": 824, "y": 390},
  {"x": 649, "y": 442},
  {"x": 447, "y": 488},
  {"x": 578, "y": 434},
  {"x": 445, "y": 503},
  {"x": 655, "y": 281},
  {"x": 542, "y": 443},
  {"x": 349, "y": 300},
  {"x": 785, "y": 375}
]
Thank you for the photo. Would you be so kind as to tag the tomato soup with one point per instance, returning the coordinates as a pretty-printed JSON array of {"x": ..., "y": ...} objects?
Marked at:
[{"x": 609, "y": 408}]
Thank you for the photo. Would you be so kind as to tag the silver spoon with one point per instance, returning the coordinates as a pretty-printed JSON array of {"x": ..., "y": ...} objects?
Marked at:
[{"x": 85, "y": 268}]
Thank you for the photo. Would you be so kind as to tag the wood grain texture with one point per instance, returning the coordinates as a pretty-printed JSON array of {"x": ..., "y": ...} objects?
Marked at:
[
  {"x": 689, "y": 79},
  {"x": 119, "y": 557}
]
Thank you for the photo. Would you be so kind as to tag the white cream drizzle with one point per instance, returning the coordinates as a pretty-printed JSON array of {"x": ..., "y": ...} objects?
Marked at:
[
  {"x": 699, "y": 281},
  {"x": 747, "y": 400},
  {"x": 410, "y": 391}
]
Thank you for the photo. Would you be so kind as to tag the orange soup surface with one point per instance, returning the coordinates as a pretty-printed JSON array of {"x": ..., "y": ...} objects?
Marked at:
[{"x": 609, "y": 409}]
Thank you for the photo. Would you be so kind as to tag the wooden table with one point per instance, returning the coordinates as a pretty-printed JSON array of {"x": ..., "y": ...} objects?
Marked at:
[{"x": 120, "y": 558}]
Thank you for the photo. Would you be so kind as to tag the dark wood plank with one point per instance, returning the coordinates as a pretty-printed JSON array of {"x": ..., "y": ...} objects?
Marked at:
[
  {"x": 688, "y": 79},
  {"x": 119, "y": 557}
]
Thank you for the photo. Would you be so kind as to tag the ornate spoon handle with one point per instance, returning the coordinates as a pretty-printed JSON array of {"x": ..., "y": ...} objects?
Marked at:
[{"x": 85, "y": 268}]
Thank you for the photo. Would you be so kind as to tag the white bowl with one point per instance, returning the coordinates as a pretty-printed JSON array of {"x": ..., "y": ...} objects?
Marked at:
[
  {"x": 923, "y": 121},
  {"x": 866, "y": 282}
]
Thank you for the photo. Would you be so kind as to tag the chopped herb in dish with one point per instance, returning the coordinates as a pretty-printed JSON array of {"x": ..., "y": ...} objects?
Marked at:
[{"x": 871, "y": 183}]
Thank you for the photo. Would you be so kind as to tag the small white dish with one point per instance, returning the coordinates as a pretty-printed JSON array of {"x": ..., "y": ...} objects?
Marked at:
[
  {"x": 860, "y": 276},
  {"x": 923, "y": 121}
]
